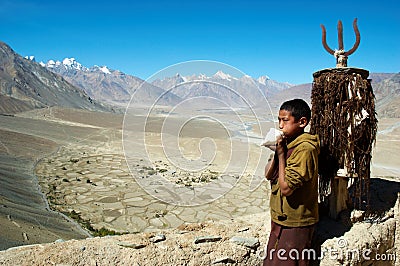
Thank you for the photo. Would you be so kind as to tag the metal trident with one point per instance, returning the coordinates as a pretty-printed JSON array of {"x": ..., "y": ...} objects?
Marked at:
[{"x": 341, "y": 55}]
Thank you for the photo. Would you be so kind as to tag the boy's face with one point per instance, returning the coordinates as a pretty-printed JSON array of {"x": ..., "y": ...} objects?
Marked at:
[{"x": 289, "y": 126}]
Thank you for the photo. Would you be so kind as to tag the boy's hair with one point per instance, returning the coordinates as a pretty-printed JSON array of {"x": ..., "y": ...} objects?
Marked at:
[{"x": 298, "y": 108}]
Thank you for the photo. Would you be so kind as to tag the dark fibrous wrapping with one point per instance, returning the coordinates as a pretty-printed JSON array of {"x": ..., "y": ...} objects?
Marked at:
[{"x": 343, "y": 115}]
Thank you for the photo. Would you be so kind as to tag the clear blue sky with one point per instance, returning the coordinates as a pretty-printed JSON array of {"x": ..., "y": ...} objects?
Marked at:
[{"x": 281, "y": 39}]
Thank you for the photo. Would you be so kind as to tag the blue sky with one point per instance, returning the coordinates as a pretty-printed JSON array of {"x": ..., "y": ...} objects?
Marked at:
[{"x": 281, "y": 39}]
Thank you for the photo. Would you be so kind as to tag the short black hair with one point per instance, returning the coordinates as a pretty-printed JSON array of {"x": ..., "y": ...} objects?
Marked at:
[{"x": 298, "y": 108}]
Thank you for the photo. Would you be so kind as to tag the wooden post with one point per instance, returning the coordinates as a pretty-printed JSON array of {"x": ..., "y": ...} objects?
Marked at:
[{"x": 339, "y": 197}]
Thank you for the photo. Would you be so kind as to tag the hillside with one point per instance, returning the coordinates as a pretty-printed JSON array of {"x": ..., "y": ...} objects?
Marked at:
[
  {"x": 387, "y": 93},
  {"x": 379, "y": 77},
  {"x": 25, "y": 85}
]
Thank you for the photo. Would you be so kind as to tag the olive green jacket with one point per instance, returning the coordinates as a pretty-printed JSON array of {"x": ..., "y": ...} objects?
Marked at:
[{"x": 301, "y": 174}]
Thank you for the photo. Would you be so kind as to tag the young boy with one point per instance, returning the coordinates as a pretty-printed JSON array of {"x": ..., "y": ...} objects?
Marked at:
[{"x": 294, "y": 188}]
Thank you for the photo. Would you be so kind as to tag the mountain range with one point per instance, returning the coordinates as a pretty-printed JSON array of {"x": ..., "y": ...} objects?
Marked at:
[
  {"x": 115, "y": 87},
  {"x": 26, "y": 84}
]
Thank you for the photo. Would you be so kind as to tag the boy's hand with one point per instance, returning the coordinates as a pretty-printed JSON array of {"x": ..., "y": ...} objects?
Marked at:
[
  {"x": 281, "y": 145},
  {"x": 270, "y": 145}
]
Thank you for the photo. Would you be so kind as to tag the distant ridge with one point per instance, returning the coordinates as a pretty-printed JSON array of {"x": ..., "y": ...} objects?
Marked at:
[
  {"x": 233, "y": 91},
  {"x": 25, "y": 85}
]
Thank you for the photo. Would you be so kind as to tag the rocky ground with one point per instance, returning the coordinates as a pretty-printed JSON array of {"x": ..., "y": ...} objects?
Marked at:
[{"x": 238, "y": 242}]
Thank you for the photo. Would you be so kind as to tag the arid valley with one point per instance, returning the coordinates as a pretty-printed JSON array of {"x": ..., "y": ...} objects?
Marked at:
[{"x": 174, "y": 185}]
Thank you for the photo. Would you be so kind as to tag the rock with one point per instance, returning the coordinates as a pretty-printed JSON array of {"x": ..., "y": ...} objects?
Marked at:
[
  {"x": 203, "y": 239},
  {"x": 60, "y": 240},
  {"x": 388, "y": 215},
  {"x": 16, "y": 224},
  {"x": 357, "y": 216},
  {"x": 250, "y": 242},
  {"x": 224, "y": 260},
  {"x": 363, "y": 242},
  {"x": 25, "y": 235},
  {"x": 158, "y": 238},
  {"x": 243, "y": 229},
  {"x": 131, "y": 245},
  {"x": 74, "y": 160}
]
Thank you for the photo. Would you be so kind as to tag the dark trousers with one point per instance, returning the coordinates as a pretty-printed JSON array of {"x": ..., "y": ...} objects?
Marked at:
[{"x": 289, "y": 246}]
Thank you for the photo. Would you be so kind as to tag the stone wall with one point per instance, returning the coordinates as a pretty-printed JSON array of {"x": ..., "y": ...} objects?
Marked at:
[{"x": 367, "y": 243}]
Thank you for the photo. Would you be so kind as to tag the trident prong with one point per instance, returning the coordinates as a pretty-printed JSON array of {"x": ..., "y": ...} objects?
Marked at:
[
  {"x": 341, "y": 55},
  {"x": 340, "y": 35}
]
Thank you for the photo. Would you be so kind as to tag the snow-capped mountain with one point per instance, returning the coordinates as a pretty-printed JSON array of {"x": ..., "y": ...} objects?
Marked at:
[
  {"x": 263, "y": 80},
  {"x": 25, "y": 85},
  {"x": 103, "y": 69},
  {"x": 30, "y": 57},
  {"x": 222, "y": 75},
  {"x": 66, "y": 64},
  {"x": 71, "y": 64}
]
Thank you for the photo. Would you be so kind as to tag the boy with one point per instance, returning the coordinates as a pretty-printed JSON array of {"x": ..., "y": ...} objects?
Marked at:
[{"x": 294, "y": 188}]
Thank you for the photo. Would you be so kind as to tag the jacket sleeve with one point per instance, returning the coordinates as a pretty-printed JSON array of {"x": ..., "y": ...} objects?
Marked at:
[{"x": 301, "y": 166}]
